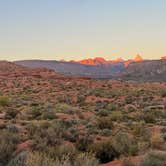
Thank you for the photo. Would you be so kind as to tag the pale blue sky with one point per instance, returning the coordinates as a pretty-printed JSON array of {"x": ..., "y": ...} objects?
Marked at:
[{"x": 77, "y": 29}]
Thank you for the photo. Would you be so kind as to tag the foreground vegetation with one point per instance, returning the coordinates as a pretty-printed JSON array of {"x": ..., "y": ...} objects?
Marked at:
[{"x": 79, "y": 122}]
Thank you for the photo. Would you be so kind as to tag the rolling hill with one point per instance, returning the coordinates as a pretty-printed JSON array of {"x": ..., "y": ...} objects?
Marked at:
[{"x": 76, "y": 69}]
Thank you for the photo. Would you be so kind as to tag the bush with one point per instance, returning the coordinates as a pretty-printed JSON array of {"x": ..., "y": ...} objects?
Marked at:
[
  {"x": 45, "y": 137},
  {"x": 124, "y": 145},
  {"x": 127, "y": 162},
  {"x": 31, "y": 128},
  {"x": 104, "y": 123},
  {"x": 129, "y": 99},
  {"x": 163, "y": 93},
  {"x": 104, "y": 151},
  {"x": 139, "y": 130},
  {"x": 154, "y": 158},
  {"x": 6, "y": 151},
  {"x": 8, "y": 142},
  {"x": 19, "y": 160},
  {"x": 49, "y": 115},
  {"x": 103, "y": 113},
  {"x": 41, "y": 159},
  {"x": 71, "y": 135},
  {"x": 163, "y": 130},
  {"x": 64, "y": 99},
  {"x": 112, "y": 107},
  {"x": 149, "y": 117},
  {"x": 117, "y": 116},
  {"x": 4, "y": 101},
  {"x": 83, "y": 143},
  {"x": 35, "y": 112},
  {"x": 12, "y": 128},
  {"x": 11, "y": 114},
  {"x": 156, "y": 141},
  {"x": 164, "y": 136},
  {"x": 86, "y": 159},
  {"x": 58, "y": 152},
  {"x": 106, "y": 132}
]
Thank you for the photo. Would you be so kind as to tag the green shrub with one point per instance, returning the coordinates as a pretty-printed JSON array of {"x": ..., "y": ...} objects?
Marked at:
[
  {"x": 103, "y": 113},
  {"x": 124, "y": 145},
  {"x": 64, "y": 99},
  {"x": 104, "y": 151},
  {"x": 154, "y": 158},
  {"x": 48, "y": 115},
  {"x": 8, "y": 142},
  {"x": 106, "y": 132},
  {"x": 140, "y": 130},
  {"x": 129, "y": 99},
  {"x": 112, "y": 107},
  {"x": 19, "y": 160},
  {"x": 104, "y": 123},
  {"x": 42, "y": 159},
  {"x": 45, "y": 137},
  {"x": 12, "y": 128},
  {"x": 163, "y": 93},
  {"x": 11, "y": 113},
  {"x": 86, "y": 159},
  {"x": 58, "y": 152},
  {"x": 71, "y": 135},
  {"x": 83, "y": 142},
  {"x": 35, "y": 112},
  {"x": 116, "y": 116},
  {"x": 149, "y": 117},
  {"x": 31, "y": 128},
  {"x": 4, "y": 101},
  {"x": 164, "y": 136}
]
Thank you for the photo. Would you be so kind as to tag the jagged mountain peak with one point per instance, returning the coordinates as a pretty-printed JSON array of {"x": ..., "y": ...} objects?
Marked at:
[
  {"x": 102, "y": 61},
  {"x": 138, "y": 58},
  {"x": 118, "y": 60}
]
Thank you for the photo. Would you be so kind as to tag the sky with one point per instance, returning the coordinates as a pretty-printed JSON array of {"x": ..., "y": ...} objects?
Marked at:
[{"x": 78, "y": 29}]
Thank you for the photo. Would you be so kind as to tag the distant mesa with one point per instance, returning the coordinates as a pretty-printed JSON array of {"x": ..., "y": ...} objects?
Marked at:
[
  {"x": 102, "y": 61},
  {"x": 87, "y": 61},
  {"x": 163, "y": 58},
  {"x": 95, "y": 61},
  {"x": 101, "y": 68}
]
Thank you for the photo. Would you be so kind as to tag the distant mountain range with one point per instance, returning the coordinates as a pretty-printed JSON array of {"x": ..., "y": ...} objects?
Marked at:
[
  {"x": 149, "y": 70},
  {"x": 102, "y": 61},
  {"x": 76, "y": 69},
  {"x": 96, "y": 68},
  {"x": 100, "y": 68}
]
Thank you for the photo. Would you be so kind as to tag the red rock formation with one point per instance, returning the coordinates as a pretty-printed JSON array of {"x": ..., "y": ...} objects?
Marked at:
[
  {"x": 138, "y": 58},
  {"x": 118, "y": 60},
  {"x": 102, "y": 61},
  {"x": 87, "y": 61},
  {"x": 163, "y": 58}
]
